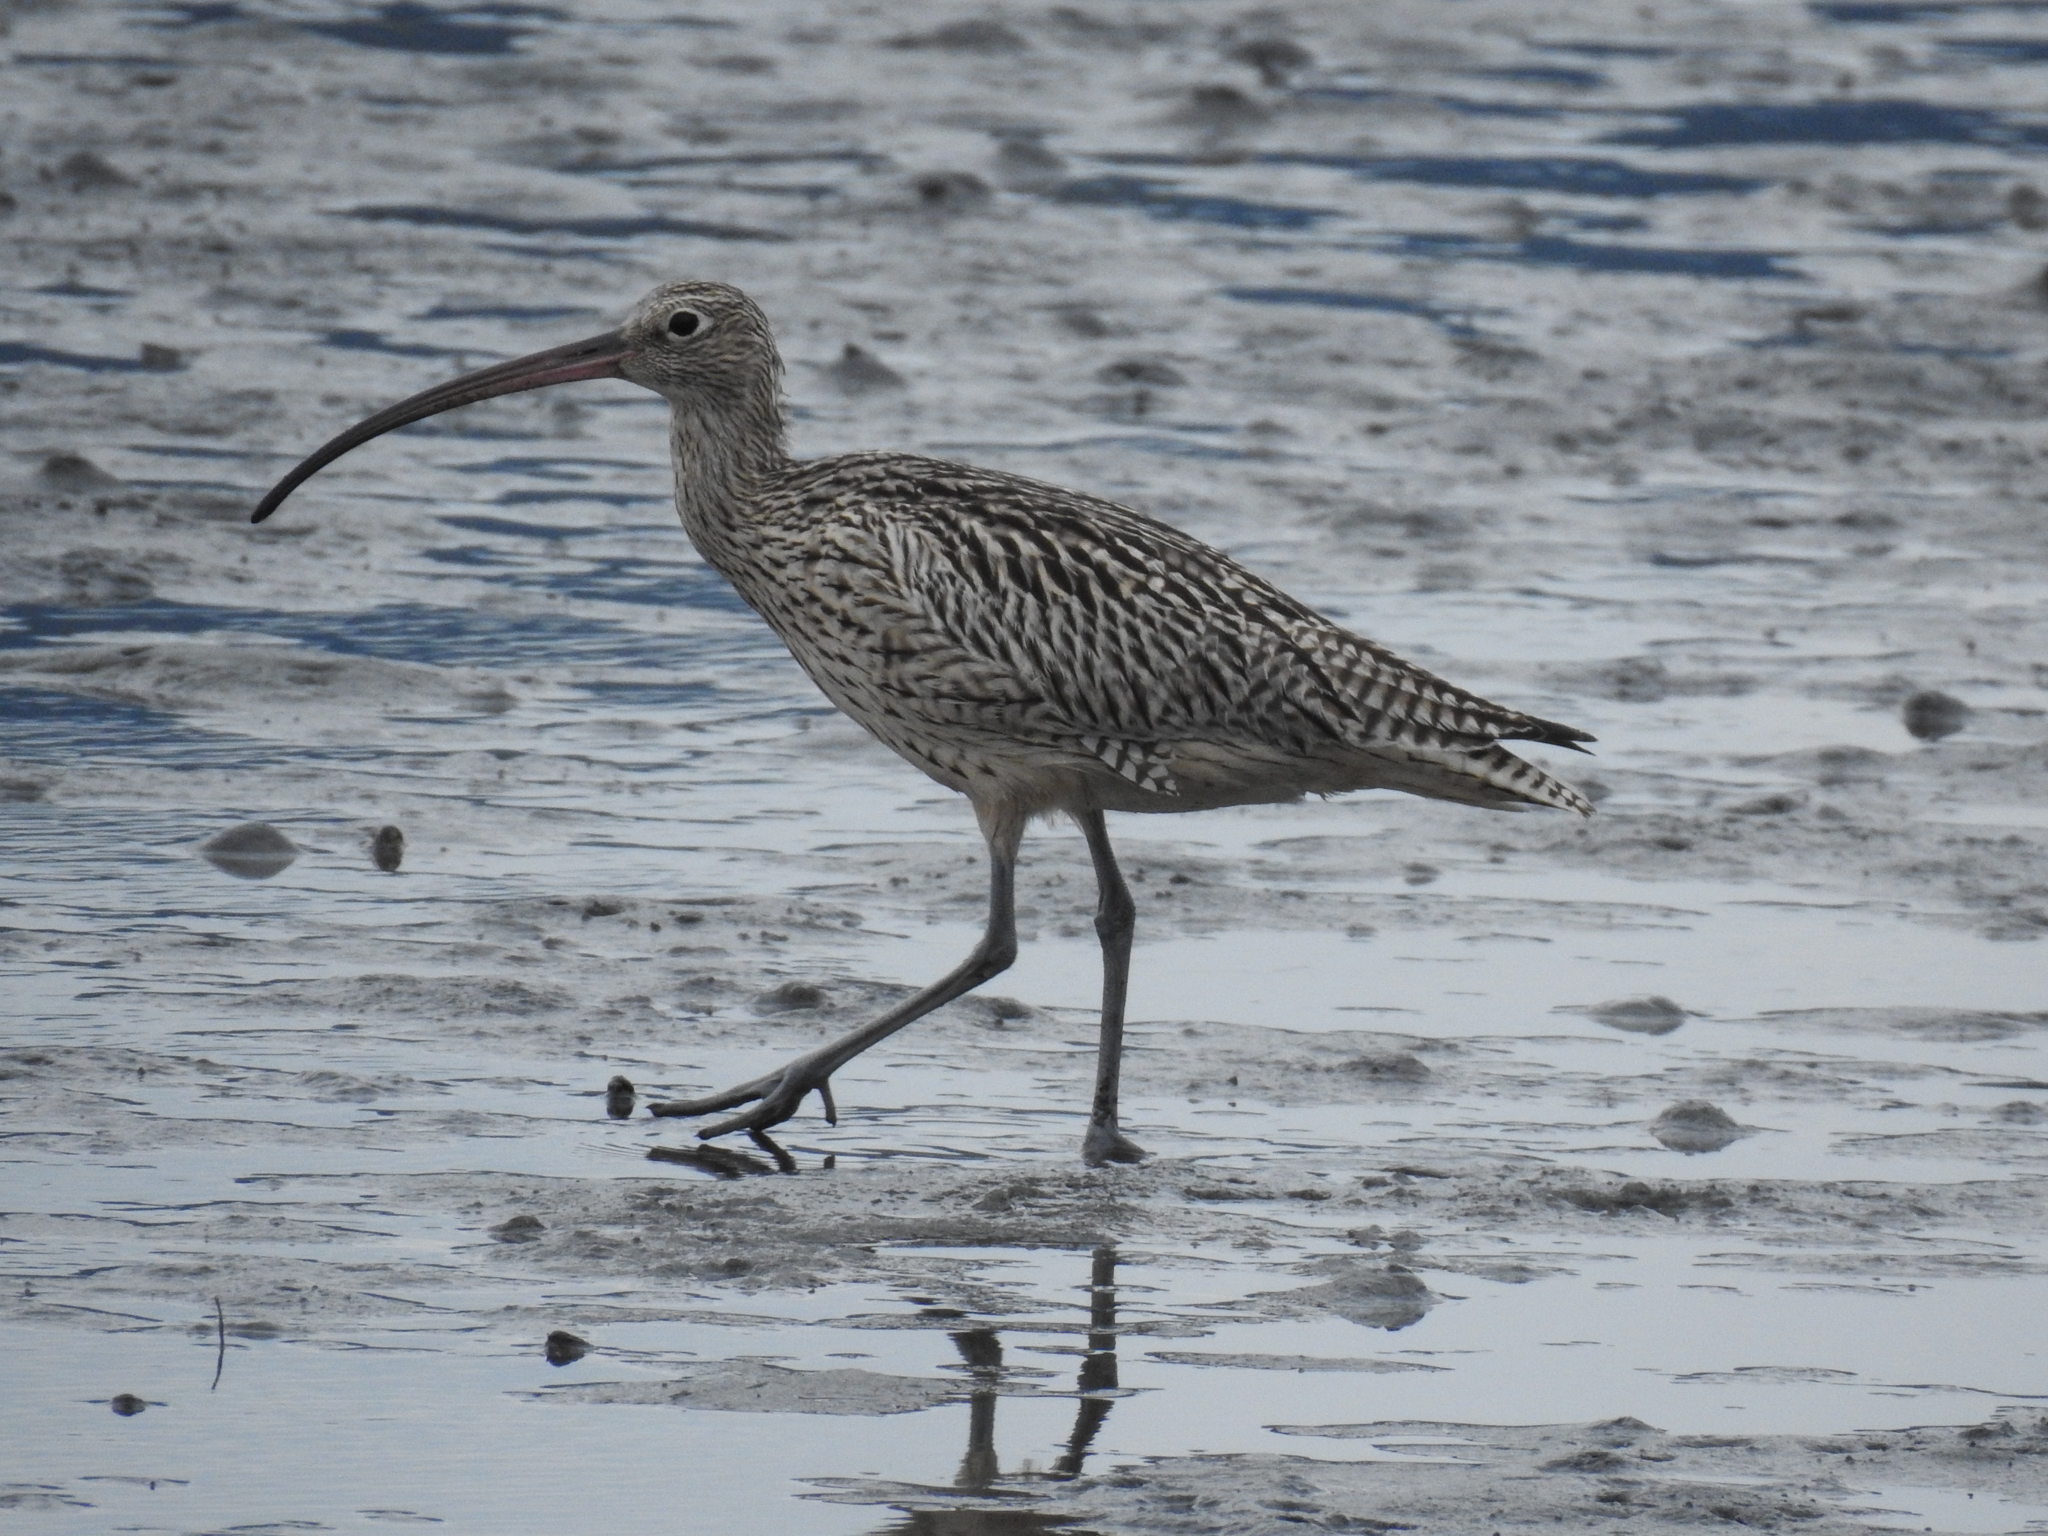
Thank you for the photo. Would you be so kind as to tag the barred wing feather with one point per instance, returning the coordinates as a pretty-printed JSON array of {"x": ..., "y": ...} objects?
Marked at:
[{"x": 1065, "y": 619}]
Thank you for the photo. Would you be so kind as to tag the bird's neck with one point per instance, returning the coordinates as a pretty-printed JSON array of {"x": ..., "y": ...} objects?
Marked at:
[{"x": 726, "y": 452}]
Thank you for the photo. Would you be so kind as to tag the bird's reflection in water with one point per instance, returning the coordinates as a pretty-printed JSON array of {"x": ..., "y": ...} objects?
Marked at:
[
  {"x": 1098, "y": 1366},
  {"x": 982, "y": 1352},
  {"x": 982, "y": 1522}
]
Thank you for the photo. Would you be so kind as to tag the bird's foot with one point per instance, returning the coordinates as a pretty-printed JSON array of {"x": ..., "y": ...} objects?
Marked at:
[
  {"x": 778, "y": 1095},
  {"x": 1104, "y": 1143}
]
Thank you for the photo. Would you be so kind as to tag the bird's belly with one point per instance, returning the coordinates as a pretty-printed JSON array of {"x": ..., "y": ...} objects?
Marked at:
[
  {"x": 988, "y": 752},
  {"x": 982, "y": 733}
]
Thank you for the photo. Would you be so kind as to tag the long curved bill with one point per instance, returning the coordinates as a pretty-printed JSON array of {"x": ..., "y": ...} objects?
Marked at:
[{"x": 598, "y": 357}]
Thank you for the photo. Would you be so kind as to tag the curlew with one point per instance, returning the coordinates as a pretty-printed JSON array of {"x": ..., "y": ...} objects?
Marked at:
[{"x": 1037, "y": 649}]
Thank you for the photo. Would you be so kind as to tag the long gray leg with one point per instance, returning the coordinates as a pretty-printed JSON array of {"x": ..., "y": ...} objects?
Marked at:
[
  {"x": 780, "y": 1092},
  {"x": 1116, "y": 918}
]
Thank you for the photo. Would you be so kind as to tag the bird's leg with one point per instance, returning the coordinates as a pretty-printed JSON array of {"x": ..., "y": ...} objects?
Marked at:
[
  {"x": 1116, "y": 918},
  {"x": 781, "y": 1091}
]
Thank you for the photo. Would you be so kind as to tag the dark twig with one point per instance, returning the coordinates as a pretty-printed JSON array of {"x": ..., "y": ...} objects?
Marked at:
[
  {"x": 722, "y": 1161},
  {"x": 220, "y": 1354}
]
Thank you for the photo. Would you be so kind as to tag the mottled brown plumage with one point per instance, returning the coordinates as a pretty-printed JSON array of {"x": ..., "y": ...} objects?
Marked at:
[
  {"x": 1035, "y": 648},
  {"x": 1020, "y": 641}
]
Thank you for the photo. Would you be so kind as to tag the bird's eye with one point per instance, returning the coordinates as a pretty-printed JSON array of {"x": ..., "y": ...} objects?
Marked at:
[{"x": 685, "y": 322}]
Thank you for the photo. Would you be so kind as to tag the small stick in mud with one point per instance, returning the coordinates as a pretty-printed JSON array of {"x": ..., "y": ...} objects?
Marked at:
[
  {"x": 220, "y": 1351},
  {"x": 1037, "y": 649},
  {"x": 719, "y": 1161}
]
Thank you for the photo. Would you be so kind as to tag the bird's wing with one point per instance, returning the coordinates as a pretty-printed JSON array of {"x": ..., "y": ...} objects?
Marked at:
[{"x": 1087, "y": 620}]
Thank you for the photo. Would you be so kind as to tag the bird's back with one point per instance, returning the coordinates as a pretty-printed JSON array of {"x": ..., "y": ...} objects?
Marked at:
[{"x": 1018, "y": 639}]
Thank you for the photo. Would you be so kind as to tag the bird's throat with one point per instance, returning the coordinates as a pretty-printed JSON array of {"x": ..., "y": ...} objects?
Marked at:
[{"x": 725, "y": 454}]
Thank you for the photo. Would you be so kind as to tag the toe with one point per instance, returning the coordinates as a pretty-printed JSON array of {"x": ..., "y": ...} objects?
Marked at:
[
  {"x": 704, "y": 1106},
  {"x": 1106, "y": 1144}
]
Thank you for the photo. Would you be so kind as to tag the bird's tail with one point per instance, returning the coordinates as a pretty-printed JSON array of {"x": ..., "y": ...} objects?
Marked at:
[{"x": 1490, "y": 776}]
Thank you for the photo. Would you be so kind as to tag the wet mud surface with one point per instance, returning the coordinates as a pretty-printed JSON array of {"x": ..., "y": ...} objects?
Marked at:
[{"x": 1676, "y": 373}]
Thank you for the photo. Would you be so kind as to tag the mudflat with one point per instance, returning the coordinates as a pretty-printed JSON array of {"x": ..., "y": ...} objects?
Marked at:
[{"x": 1678, "y": 374}]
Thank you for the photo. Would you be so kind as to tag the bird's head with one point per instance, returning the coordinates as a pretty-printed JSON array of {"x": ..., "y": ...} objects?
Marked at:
[
  {"x": 704, "y": 347},
  {"x": 698, "y": 343}
]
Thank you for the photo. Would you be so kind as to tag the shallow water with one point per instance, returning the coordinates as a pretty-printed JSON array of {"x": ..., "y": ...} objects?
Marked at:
[{"x": 535, "y": 1446}]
